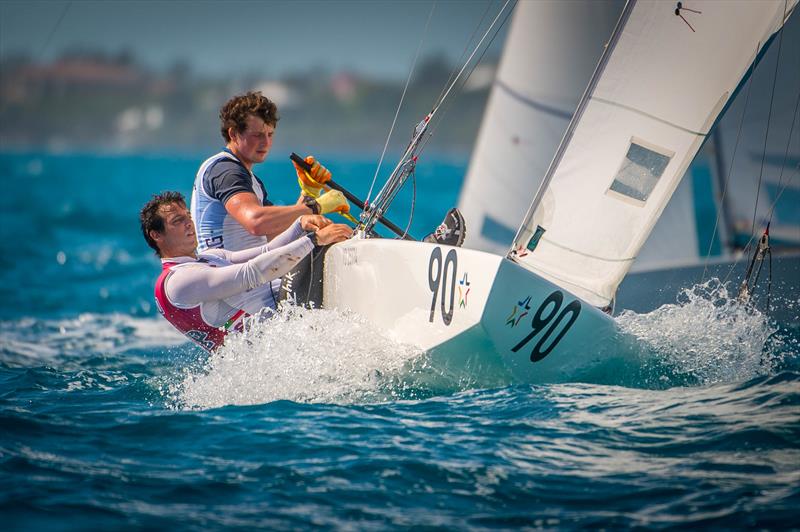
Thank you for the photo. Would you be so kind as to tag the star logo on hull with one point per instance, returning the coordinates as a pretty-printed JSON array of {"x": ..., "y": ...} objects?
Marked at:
[
  {"x": 463, "y": 291},
  {"x": 519, "y": 311}
]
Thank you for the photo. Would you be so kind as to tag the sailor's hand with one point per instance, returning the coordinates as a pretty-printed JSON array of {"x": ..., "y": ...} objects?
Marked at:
[
  {"x": 333, "y": 201},
  {"x": 333, "y": 233},
  {"x": 314, "y": 222},
  {"x": 311, "y": 182}
]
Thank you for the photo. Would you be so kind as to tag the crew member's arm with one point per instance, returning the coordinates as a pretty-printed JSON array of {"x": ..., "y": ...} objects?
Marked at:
[
  {"x": 189, "y": 286},
  {"x": 304, "y": 224},
  {"x": 259, "y": 220}
]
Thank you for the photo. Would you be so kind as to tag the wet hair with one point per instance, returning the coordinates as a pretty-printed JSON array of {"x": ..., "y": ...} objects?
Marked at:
[
  {"x": 151, "y": 220},
  {"x": 236, "y": 110}
]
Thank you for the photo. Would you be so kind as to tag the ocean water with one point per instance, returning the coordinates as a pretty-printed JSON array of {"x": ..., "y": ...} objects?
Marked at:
[{"x": 109, "y": 420}]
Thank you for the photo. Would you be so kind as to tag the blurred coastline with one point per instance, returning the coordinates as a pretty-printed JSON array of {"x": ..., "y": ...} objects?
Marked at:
[{"x": 94, "y": 101}]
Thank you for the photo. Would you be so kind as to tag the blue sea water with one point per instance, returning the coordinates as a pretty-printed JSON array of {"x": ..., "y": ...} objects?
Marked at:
[{"x": 109, "y": 420}]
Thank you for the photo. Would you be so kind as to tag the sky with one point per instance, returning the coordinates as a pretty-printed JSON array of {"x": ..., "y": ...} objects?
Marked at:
[{"x": 375, "y": 38}]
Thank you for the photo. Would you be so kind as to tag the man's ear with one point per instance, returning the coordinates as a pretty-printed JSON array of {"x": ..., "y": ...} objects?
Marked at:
[
  {"x": 232, "y": 133},
  {"x": 156, "y": 236}
]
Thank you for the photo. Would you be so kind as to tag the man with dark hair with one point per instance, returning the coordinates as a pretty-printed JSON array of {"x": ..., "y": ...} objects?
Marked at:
[
  {"x": 229, "y": 203},
  {"x": 208, "y": 294}
]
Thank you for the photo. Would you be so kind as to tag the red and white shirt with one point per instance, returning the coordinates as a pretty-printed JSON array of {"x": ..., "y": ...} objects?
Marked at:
[{"x": 208, "y": 296}]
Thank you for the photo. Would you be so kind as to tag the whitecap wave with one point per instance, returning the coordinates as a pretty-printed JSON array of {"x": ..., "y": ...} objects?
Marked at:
[
  {"x": 301, "y": 355},
  {"x": 29, "y": 341},
  {"x": 709, "y": 336}
]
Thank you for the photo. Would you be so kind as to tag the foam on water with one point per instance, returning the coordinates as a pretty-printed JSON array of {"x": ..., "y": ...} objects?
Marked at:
[
  {"x": 33, "y": 341},
  {"x": 709, "y": 336},
  {"x": 301, "y": 355}
]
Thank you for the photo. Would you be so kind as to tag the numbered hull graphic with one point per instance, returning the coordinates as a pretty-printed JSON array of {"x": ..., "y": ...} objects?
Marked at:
[{"x": 466, "y": 304}]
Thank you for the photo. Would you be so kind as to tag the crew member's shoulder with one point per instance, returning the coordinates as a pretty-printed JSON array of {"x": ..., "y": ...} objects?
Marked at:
[
  {"x": 226, "y": 178},
  {"x": 225, "y": 167}
]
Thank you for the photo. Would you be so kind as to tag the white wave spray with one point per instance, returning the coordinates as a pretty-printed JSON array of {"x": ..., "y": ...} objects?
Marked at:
[
  {"x": 709, "y": 336},
  {"x": 300, "y": 355}
]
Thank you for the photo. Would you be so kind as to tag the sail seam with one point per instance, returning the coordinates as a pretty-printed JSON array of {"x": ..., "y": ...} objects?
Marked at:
[
  {"x": 648, "y": 115},
  {"x": 533, "y": 103},
  {"x": 565, "y": 248}
]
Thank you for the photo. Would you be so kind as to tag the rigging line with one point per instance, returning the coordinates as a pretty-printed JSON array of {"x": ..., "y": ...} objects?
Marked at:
[
  {"x": 753, "y": 238},
  {"x": 413, "y": 144},
  {"x": 4, "y": 104},
  {"x": 466, "y": 49},
  {"x": 55, "y": 28},
  {"x": 477, "y": 47},
  {"x": 730, "y": 168},
  {"x": 785, "y": 156},
  {"x": 400, "y": 105},
  {"x": 413, "y": 203},
  {"x": 435, "y": 126},
  {"x": 769, "y": 119}
]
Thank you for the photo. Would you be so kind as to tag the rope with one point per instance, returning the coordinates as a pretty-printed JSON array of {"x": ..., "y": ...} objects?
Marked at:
[
  {"x": 466, "y": 49},
  {"x": 396, "y": 179},
  {"x": 399, "y": 105},
  {"x": 785, "y": 156},
  {"x": 53, "y": 30},
  {"x": 730, "y": 168},
  {"x": 413, "y": 203},
  {"x": 769, "y": 119},
  {"x": 466, "y": 78}
]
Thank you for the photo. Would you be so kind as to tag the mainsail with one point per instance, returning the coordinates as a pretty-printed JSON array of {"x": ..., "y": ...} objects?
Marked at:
[
  {"x": 666, "y": 75},
  {"x": 550, "y": 52}
]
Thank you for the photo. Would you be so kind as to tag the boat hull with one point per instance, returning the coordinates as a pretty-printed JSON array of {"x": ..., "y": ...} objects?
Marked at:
[{"x": 472, "y": 311}]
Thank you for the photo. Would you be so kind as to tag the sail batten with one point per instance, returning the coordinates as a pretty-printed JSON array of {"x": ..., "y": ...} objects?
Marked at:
[{"x": 650, "y": 104}]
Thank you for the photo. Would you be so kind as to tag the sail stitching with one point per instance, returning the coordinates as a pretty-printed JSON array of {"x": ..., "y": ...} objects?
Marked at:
[
  {"x": 648, "y": 115},
  {"x": 589, "y": 255}
]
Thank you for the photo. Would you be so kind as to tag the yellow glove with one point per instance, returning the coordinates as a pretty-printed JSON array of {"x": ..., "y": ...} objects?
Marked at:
[
  {"x": 333, "y": 201},
  {"x": 311, "y": 183}
]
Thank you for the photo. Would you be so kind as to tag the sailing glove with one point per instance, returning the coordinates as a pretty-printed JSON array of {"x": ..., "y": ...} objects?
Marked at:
[
  {"x": 333, "y": 201},
  {"x": 311, "y": 183}
]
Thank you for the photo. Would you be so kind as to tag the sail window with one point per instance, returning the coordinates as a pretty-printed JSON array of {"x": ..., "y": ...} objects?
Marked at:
[{"x": 639, "y": 172}]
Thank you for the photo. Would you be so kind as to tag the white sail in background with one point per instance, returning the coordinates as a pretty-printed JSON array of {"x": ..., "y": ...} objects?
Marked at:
[
  {"x": 550, "y": 53},
  {"x": 654, "y": 97}
]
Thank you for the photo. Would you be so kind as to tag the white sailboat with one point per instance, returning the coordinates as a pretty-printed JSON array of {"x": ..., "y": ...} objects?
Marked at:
[{"x": 655, "y": 94}]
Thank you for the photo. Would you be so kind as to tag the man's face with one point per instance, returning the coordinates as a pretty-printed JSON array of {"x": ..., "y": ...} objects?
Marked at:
[
  {"x": 179, "y": 238},
  {"x": 253, "y": 144}
]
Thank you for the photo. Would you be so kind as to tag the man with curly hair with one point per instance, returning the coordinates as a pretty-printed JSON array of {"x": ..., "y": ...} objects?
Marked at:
[{"x": 229, "y": 202}]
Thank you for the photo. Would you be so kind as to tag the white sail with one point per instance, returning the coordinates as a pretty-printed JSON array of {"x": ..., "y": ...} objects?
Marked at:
[
  {"x": 550, "y": 53},
  {"x": 753, "y": 158},
  {"x": 673, "y": 241},
  {"x": 654, "y": 97}
]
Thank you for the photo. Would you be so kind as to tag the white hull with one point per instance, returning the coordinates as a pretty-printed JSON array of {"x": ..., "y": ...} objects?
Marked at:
[{"x": 468, "y": 308}]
